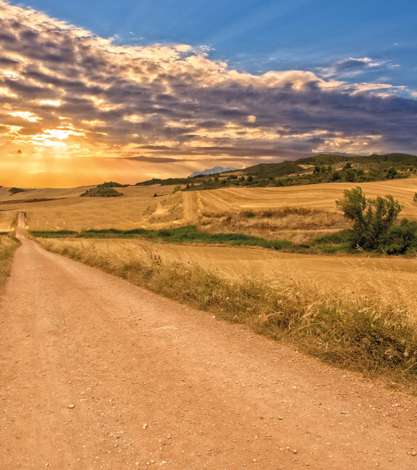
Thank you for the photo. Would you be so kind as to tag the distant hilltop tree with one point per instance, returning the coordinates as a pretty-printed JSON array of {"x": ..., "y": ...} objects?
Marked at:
[
  {"x": 111, "y": 184},
  {"x": 101, "y": 191},
  {"x": 16, "y": 190}
]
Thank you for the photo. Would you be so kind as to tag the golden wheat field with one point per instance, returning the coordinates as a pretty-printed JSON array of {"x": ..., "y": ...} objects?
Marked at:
[
  {"x": 314, "y": 196},
  {"x": 276, "y": 209},
  {"x": 392, "y": 280},
  {"x": 64, "y": 209},
  {"x": 7, "y": 219},
  {"x": 158, "y": 206}
]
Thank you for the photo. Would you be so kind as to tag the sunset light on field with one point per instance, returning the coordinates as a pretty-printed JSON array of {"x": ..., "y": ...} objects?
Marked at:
[{"x": 208, "y": 234}]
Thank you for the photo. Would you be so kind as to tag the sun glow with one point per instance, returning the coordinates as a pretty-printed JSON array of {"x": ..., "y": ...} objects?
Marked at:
[
  {"x": 50, "y": 103},
  {"x": 55, "y": 138}
]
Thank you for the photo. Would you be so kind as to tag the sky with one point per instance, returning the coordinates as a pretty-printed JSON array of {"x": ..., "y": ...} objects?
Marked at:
[{"x": 135, "y": 89}]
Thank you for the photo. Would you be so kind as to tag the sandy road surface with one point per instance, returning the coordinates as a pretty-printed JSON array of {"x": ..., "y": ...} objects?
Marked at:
[{"x": 98, "y": 374}]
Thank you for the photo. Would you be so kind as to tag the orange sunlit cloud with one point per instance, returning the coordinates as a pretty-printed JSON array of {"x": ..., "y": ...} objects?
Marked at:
[{"x": 67, "y": 94}]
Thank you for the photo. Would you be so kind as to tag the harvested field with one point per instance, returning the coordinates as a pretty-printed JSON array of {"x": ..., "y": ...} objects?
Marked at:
[
  {"x": 314, "y": 196},
  {"x": 7, "y": 218},
  {"x": 65, "y": 209},
  {"x": 296, "y": 213},
  {"x": 391, "y": 280}
]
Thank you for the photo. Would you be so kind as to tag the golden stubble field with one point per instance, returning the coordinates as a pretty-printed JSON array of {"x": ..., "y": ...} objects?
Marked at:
[
  {"x": 314, "y": 196},
  {"x": 64, "y": 209},
  {"x": 390, "y": 280},
  {"x": 276, "y": 210},
  {"x": 140, "y": 208}
]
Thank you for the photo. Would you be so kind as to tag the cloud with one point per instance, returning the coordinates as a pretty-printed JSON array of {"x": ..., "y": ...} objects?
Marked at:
[
  {"x": 155, "y": 159},
  {"x": 65, "y": 90},
  {"x": 354, "y": 66}
]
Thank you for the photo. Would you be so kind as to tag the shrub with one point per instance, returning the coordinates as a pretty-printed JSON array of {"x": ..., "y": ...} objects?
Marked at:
[
  {"x": 16, "y": 190},
  {"x": 372, "y": 219},
  {"x": 101, "y": 191},
  {"x": 111, "y": 184},
  {"x": 392, "y": 173},
  {"x": 401, "y": 238}
]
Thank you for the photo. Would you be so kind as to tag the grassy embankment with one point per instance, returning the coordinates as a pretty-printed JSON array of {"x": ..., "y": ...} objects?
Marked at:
[{"x": 356, "y": 332}]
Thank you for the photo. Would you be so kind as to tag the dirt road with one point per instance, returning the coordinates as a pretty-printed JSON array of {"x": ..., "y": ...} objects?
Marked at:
[{"x": 98, "y": 374}]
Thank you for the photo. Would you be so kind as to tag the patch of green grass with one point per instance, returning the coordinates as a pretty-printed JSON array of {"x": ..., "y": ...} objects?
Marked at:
[
  {"x": 337, "y": 242},
  {"x": 334, "y": 243},
  {"x": 55, "y": 234},
  {"x": 189, "y": 234}
]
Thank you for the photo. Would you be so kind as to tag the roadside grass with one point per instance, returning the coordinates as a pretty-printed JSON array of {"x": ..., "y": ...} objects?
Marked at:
[
  {"x": 8, "y": 246},
  {"x": 359, "y": 333}
]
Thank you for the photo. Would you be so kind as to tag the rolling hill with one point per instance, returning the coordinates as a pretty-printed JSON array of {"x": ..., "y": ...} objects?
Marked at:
[{"x": 320, "y": 168}]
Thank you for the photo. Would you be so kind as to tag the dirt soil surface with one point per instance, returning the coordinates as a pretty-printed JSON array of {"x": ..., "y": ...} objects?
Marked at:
[{"x": 96, "y": 373}]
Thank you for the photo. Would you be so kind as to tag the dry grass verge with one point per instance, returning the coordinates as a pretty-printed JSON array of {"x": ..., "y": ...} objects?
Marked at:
[
  {"x": 358, "y": 333},
  {"x": 8, "y": 246}
]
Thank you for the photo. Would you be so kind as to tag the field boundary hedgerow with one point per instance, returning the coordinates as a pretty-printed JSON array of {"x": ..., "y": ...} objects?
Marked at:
[
  {"x": 185, "y": 234},
  {"x": 360, "y": 333},
  {"x": 335, "y": 243}
]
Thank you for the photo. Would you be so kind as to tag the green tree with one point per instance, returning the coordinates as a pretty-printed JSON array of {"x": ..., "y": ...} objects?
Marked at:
[
  {"x": 402, "y": 238},
  {"x": 372, "y": 219},
  {"x": 392, "y": 173}
]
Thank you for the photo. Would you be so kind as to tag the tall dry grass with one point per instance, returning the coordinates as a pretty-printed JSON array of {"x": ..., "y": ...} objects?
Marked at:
[
  {"x": 8, "y": 246},
  {"x": 357, "y": 332}
]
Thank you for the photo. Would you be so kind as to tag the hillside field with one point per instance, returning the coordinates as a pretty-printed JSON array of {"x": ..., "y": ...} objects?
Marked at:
[{"x": 160, "y": 206}]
